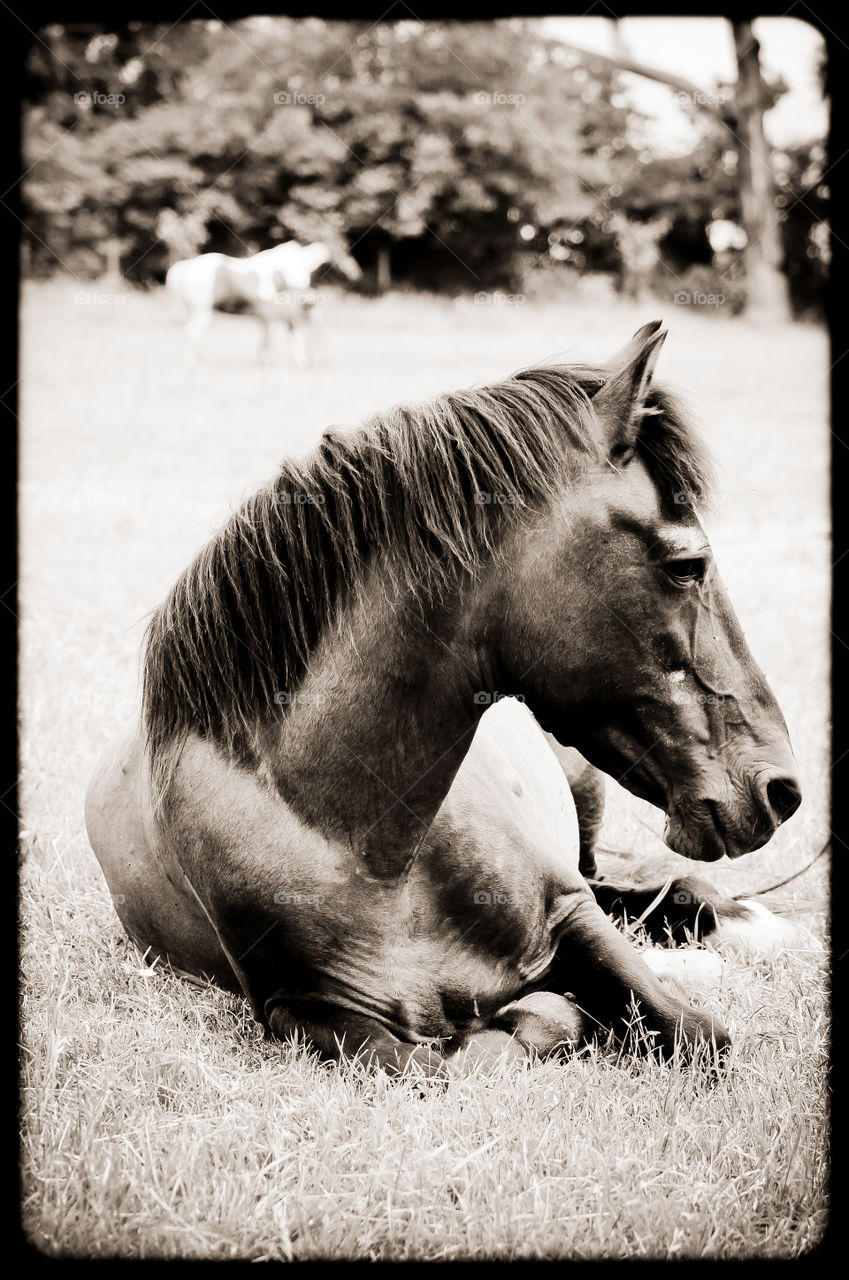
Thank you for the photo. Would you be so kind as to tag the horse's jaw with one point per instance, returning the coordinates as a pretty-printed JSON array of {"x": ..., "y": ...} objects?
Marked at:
[{"x": 700, "y": 842}]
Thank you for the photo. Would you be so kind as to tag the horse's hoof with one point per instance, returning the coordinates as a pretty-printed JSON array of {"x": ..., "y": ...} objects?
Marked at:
[
  {"x": 543, "y": 1021},
  {"x": 704, "y": 1040}
]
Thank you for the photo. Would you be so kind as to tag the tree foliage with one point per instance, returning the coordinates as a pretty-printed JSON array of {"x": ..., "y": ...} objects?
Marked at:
[{"x": 468, "y": 152}]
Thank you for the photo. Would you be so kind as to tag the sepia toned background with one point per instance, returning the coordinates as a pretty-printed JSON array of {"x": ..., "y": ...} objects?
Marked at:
[{"x": 512, "y": 191}]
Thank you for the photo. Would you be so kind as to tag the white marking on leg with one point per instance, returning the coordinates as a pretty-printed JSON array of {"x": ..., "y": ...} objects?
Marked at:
[
  {"x": 759, "y": 932},
  {"x": 702, "y": 968}
]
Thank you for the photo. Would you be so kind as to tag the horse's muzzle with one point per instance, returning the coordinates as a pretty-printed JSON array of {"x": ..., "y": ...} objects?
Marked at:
[
  {"x": 708, "y": 829},
  {"x": 782, "y": 797},
  {"x": 776, "y": 796}
]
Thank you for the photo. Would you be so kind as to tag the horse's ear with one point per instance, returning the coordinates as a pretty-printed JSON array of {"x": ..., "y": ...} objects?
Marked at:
[{"x": 620, "y": 400}]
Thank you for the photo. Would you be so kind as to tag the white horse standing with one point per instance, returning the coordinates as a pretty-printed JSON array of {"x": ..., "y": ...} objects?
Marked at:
[{"x": 275, "y": 286}]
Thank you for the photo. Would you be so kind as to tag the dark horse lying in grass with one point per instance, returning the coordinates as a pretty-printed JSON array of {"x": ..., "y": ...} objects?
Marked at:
[{"x": 329, "y": 804}]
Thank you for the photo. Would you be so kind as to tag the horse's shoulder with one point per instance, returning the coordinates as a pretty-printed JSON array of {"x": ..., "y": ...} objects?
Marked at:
[
  {"x": 238, "y": 810},
  {"x": 117, "y": 808},
  {"x": 121, "y": 759}
]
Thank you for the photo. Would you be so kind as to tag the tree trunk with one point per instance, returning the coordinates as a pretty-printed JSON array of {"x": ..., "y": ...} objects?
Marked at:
[
  {"x": 766, "y": 287},
  {"x": 112, "y": 250},
  {"x": 384, "y": 269}
]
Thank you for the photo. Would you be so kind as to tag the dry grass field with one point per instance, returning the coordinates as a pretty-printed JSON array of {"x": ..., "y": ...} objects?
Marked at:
[{"x": 157, "y": 1122}]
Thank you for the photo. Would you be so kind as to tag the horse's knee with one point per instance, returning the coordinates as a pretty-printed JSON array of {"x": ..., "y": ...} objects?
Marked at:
[
  {"x": 541, "y": 1023},
  {"x": 337, "y": 1036}
]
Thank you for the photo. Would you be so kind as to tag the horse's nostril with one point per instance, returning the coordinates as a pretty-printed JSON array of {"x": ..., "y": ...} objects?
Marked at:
[{"x": 784, "y": 797}]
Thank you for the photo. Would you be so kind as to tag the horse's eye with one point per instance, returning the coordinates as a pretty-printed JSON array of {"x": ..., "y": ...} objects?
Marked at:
[
  {"x": 622, "y": 455},
  {"x": 685, "y": 573}
]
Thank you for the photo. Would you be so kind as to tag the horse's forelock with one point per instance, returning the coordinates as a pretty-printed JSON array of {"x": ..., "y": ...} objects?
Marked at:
[{"x": 674, "y": 452}]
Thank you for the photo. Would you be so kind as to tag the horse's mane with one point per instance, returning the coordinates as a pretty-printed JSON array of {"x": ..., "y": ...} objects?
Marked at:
[{"x": 238, "y": 626}]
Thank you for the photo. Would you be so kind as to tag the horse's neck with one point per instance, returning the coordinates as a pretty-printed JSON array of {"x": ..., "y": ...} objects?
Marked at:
[
  {"x": 293, "y": 263},
  {"x": 315, "y": 256},
  {"x": 379, "y": 727}
]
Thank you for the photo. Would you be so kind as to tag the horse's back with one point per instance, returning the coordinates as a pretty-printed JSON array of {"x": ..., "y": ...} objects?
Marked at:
[
  {"x": 215, "y": 281},
  {"x": 201, "y": 282},
  {"x": 511, "y": 782}
]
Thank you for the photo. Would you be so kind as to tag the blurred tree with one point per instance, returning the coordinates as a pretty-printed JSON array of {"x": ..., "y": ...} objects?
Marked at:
[
  {"x": 766, "y": 286},
  {"x": 802, "y": 206},
  {"x": 450, "y": 138},
  {"x": 451, "y": 155}
]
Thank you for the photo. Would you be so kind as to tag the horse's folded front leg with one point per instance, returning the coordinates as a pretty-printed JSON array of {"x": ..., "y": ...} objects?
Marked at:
[
  {"x": 338, "y": 1034},
  {"x": 683, "y": 908},
  {"x": 608, "y": 976}
]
